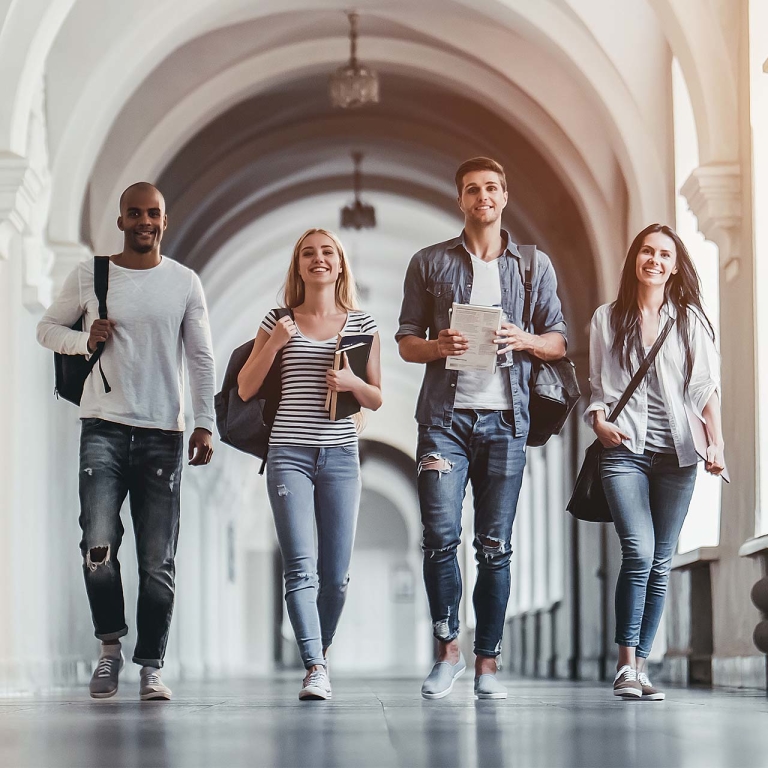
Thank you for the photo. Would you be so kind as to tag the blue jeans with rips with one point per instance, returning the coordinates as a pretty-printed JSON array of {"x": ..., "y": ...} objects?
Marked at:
[
  {"x": 479, "y": 447},
  {"x": 308, "y": 486},
  {"x": 116, "y": 461},
  {"x": 648, "y": 495}
]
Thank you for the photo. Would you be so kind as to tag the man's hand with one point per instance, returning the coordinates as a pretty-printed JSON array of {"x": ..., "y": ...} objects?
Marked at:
[
  {"x": 101, "y": 330},
  {"x": 200, "y": 447},
  {"x": 510, "y": 338},
  {"x": 451, "y": 343}
]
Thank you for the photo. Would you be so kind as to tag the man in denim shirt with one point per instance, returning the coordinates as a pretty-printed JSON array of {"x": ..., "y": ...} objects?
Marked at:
[{"x": 472, "y": 424}]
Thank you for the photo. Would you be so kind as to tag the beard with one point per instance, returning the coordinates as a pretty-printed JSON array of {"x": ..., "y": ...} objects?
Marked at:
[{"x": 140, "y": 247}]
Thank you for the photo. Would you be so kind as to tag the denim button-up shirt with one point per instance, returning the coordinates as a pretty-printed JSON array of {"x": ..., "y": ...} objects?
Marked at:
[{"x": 442, "y": 274}]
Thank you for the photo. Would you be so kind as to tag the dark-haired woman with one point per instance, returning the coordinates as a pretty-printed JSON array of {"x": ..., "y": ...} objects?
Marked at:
[{"x": 649, "y": 466}]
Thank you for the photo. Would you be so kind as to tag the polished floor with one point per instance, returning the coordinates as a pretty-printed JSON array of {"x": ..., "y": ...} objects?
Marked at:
[{"x": 384, "y": 722}]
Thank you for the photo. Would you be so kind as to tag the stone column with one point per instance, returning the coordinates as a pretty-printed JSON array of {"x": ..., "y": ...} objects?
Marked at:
[{"x": 715, "y": 193}]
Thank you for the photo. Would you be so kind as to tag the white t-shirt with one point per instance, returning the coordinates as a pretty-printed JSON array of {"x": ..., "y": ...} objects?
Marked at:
[
  {"x": 480, "y": 389},
  {"x": 301, "y": 417},
  {"x": 156, "y": 311}
]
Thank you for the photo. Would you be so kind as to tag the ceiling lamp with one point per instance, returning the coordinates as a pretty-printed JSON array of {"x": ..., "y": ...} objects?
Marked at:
[
  {"x": 359, "y": 215},
  {"x": 353, "y": 85}
]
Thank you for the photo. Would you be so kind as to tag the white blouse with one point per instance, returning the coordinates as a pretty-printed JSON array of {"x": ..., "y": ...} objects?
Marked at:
[{"x": 608, "y": 380}]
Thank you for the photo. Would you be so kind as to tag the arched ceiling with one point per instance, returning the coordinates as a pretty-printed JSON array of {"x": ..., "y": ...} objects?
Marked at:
[{"x": 243, "y": 165}]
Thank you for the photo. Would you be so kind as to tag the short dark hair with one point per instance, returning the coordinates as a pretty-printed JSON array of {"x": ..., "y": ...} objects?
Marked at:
[
  {"x": 479, "y": 164},
  {"x": 143, "y": 185}
]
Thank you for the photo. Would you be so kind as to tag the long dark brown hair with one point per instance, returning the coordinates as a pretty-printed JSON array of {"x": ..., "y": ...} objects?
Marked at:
[{"x": 683, "y": 290}]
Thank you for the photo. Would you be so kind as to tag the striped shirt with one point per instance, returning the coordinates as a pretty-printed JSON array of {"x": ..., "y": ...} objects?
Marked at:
[{"x": 301, "y": 416}]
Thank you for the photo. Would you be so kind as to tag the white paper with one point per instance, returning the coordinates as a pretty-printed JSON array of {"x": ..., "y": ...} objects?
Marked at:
[{"x": 480, "y": 326}]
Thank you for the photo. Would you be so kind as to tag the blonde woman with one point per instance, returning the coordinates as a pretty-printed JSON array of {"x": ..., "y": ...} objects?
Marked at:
[{"x": 313, "y": 471}]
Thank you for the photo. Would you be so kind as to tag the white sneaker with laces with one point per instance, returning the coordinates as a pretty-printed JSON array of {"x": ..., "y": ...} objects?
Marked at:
[
  {"x": 152, "y": 687},
  {"x": 316, "y": 685}
]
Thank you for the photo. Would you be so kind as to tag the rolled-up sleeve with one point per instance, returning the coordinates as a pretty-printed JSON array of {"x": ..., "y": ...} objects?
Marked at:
[
  {"x": 198, "y": 349},
  {"x": 547, "y": 313},
  {"x": 597, "y": 351},
  {"x": 414, "y": 313},
  {"x": 705, "y": 374},
  {"x": 54, "y": 330}
]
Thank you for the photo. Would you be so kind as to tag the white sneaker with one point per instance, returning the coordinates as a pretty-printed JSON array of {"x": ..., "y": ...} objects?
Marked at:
[
  {"x": 152, "y": 687},
  {"x": 316, "y": 685}
]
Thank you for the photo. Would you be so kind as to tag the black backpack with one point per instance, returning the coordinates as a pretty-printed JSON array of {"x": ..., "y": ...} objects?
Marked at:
[
  {"x": 246, "y": 425},
  {"x": 71, "y": 371},
  {"x": 554, "y": 390}
]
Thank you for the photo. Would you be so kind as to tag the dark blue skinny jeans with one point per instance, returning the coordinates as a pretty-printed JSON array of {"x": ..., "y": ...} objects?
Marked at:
[
  {"x": 648, "y": 495},
  {"x": 479, "y": 447},
  {"x": 116, "y": 461}
]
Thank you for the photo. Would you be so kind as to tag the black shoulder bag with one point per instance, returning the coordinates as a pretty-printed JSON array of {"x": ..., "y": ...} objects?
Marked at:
[
  {"x": 71, "y": 371},
  {"x": 247, "y": 424},
  {"x": 588, "y": 500},
  {"x": 554, "y": 390}
]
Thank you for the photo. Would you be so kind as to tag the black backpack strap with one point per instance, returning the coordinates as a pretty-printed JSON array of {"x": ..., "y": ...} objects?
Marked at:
[
  {"x": 280, "y": 313},
  {"x": 528, "y": 274},
  {"x": 101, "y": 287}
]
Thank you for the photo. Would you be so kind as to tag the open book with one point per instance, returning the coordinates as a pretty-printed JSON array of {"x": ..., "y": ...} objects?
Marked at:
[{"x": 356, "y": 347}]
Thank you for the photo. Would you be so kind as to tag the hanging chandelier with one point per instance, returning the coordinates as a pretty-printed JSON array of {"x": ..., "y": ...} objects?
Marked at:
[
  {"x": 353, "y": 85},
  {"x": 359, "y": 215}
]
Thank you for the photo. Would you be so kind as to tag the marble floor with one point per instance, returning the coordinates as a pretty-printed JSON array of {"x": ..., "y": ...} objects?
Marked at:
[{"x": 384, "y": 722}]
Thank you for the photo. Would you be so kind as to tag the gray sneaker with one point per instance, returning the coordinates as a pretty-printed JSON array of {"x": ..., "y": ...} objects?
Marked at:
[
  {"x": 152, "y": 687},
  {"x": 488, "y": 687},
  {"x": 440, "y": 680},
  {"x": 103, "y": 683}
]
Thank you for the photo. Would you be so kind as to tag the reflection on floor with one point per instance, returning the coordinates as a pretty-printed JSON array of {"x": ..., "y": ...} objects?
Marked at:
[{"x": 384, "y": 722}]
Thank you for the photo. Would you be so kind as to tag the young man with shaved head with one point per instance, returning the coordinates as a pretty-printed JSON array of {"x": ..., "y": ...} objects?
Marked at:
[
  {"x": 473, "y": 424},
  {"x": 131, "y": 442}
]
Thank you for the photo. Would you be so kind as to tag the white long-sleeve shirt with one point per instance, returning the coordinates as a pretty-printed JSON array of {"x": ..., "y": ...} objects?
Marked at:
[
  {"x": 608, "y": 380},
  {"x": 156, "y": 312}
]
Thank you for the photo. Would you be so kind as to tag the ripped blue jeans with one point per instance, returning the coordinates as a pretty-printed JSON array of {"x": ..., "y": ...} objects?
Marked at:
[
  {"x": 310, "y": 486},
  {"x": 116, "y": 461},
  {"x": 479, "y": 447}
]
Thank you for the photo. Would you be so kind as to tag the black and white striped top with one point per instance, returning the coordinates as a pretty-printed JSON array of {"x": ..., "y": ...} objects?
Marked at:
[{"x": 301, "y": 416}]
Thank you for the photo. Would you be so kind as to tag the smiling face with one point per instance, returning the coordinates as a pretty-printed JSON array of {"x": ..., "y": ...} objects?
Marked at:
[
  {"x": 319, "y": 262},
  {"x": 482, "y": 197},
  {"x": 142, "y": 218},
  {"x": 656, "y": 260}
]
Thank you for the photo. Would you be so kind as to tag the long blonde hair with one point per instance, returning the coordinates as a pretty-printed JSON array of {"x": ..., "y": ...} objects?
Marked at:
[
  {"x": 346, "y": 290},
  {"x": 345, "y": 293}
]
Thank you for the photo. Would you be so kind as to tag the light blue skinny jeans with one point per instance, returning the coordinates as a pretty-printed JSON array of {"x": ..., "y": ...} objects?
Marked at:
[
  {"x": 309, "y": 485},
  {"x": 648, "y": 495}
]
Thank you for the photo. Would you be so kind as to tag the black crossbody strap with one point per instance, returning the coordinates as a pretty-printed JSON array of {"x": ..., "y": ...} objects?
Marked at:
[
  {"x": 641, "y": 371},
  {"x": 101, "y": 287},
  {"x": 528, "y": 274}
]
